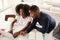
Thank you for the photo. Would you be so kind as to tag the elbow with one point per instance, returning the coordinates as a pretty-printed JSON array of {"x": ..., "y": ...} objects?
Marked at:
[
  {"x": 43, "y": 32},
  {"x": 29, "y": 30}
]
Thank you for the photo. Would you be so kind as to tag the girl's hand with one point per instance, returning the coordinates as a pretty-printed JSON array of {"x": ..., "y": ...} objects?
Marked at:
[
  {"x": 23, "y": 33},
  {"x": 10, "y": 31},
  {"x": 16, "y": 34}
]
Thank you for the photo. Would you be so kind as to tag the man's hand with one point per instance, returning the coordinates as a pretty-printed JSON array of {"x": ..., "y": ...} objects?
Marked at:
[{"x": 23, "y": 33}]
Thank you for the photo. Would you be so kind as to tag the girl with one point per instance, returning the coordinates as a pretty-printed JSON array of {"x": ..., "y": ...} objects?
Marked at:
[{"x": 22, "y": 20}]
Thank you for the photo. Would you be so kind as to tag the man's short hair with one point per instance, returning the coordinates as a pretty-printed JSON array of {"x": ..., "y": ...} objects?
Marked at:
[{"x": 34, "y": 8}]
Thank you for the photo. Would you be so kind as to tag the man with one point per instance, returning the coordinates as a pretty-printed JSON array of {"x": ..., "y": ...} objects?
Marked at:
[{"x": 45, "y": 20}]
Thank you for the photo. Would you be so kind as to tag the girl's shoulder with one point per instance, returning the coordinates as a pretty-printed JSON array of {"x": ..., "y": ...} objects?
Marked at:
[
  {"x": 29, "y": 18},
  {"x": 17, "y": 16}
]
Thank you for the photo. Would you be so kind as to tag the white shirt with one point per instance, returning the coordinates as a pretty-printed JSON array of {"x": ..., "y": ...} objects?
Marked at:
[{"x": 21, "y": 23}]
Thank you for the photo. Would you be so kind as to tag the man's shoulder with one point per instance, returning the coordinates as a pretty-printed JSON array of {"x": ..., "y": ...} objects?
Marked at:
[{"x": 45, "y": 14}]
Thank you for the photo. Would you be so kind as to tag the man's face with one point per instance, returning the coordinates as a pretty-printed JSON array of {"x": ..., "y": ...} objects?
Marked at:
[{"x": 33, "y": 14}]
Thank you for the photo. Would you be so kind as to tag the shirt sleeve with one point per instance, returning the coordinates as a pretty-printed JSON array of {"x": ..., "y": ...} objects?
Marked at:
[
  {"x": 29, "y": 19},
  {"x": 16, "y": 17},
  {"x": 45, "y": 26},
  {"x": 32, "y": 25}
]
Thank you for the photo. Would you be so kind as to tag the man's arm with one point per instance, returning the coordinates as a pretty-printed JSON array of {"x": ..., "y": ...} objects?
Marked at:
[
  {"x": 32, "y": 25},
  {"x": 44, "y": 26}
]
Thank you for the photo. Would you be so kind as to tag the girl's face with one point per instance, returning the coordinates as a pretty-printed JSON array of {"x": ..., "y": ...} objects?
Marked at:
[{"x": 22, "y": 13}]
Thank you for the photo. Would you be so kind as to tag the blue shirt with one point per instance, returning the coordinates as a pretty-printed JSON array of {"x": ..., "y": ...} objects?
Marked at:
[{"x": 45, "y": 20}]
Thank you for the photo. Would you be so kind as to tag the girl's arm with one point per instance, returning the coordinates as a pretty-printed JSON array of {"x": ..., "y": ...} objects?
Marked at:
[
  {"x": 10, "y": 31},
  {"x": 27, "y": 25},
  {"x": 13, "y": 23},
  {"x": 21, "y": 31}
]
